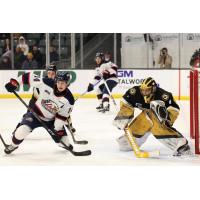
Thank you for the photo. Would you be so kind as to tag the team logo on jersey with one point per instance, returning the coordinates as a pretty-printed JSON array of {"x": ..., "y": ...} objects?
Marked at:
[
  {"x": 29, "y": 119},
  {"x": 50, "y": 106},
  {"x": 47, "y": 92},
  {"x": 165, "y": 97},
  {"x": 36, "y": 78},
  {"x": 132, "y": 91}
]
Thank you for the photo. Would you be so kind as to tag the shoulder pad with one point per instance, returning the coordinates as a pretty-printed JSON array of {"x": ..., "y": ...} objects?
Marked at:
[
  {"x": 132, "y": 91},
  {"x": 49, "y": 82},
  {"x": 165, "y": 96},
  {"x": 69, "y": 96}
]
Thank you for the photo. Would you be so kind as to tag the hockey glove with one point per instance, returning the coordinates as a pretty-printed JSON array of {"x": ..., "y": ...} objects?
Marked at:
[
  {"x": 106, "y": 74},
  {"x": 60, "y": 133},
  {"x": 12, "y": 85},
  {"x": 90, "y": 87},
  {"x": 71, "y": 128}
]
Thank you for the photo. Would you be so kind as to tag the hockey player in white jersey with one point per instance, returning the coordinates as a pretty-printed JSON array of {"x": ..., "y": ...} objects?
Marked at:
[
  {"x": 107, "y": 71},
  {"x": 53, "y": 105}
]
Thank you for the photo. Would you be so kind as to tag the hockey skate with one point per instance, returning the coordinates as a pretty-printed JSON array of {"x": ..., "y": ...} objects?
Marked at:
[
  {"x": 105, "y": 109},
  {"x": 99, "y": 107},
  {"x": 183, "y": 151},
  {"x": 10, "y": 148}
]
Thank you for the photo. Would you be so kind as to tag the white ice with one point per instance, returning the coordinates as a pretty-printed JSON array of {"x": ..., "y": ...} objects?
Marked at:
[{"x": 39, "y": 149}]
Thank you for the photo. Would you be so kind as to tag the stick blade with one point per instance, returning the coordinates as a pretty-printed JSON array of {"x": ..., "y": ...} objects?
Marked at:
[
  {"x": 81, "y": 142},
  {"x": 82, "y": 153},
  {"x": 154, "y": 154}
]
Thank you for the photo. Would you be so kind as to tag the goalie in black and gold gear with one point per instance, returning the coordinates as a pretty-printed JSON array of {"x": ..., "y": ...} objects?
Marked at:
[{"x": 159, "y": 112}]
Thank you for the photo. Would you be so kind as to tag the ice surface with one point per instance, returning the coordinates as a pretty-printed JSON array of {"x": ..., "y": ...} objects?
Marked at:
[{"x": 97, "y": 128}]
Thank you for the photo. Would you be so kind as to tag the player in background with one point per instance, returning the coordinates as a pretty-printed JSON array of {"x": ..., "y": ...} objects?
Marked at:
[
  {"x": 159, "y": 112},
  {"x": 107, "y": 57},
  {"x": 51, "y": 71},
  {"x": 99, "y": 59},
  {"x": 107, "y": 71},
  {"x": 53, "y": 105}
]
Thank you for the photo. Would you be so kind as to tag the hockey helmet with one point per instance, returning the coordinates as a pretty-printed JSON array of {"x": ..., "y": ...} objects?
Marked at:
[
  {"x": 99, "y": 58},
  {"x": 100, "y": 55},
  {"x": 52, "y": 67},
  {"x": 63, "y": 76},
  {"x": 148, "y": 88}
]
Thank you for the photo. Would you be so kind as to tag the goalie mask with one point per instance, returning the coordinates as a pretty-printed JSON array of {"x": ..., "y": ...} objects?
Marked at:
[{"x": 147, "y": 89}]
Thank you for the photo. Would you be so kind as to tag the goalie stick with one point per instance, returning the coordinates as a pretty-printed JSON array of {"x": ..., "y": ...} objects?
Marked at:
[
  {"x": 138, "y": 153},
  {"x": 81, "y": 153}
]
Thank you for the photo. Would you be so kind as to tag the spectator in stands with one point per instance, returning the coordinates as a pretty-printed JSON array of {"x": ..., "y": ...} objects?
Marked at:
[
  {"x": 165, "y": 60},
  {"x": 5, "y": 62},
  {"x": 22, "y": 44},
  {"x": 19, "y": 58},
  {"x": 30, "y": 62},
  {"x": 6, "y": 46},
  {"x": 53, "y": 54},
  {"x": 37, "y": 56}
]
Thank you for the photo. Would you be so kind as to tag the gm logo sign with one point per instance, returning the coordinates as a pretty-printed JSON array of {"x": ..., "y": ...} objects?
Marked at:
[{"x": 124, "y": 73}]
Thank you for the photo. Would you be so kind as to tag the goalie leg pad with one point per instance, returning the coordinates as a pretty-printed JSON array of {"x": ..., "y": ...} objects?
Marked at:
[
  {"x": 141, "y": 124},
  {"x": 124, "y": 116},
  {"x": 179, "y": 146},
  {"x": 124, "y": 144}
]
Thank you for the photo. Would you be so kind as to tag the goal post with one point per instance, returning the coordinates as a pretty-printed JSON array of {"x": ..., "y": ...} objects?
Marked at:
[{"x": 195, "y": 107}]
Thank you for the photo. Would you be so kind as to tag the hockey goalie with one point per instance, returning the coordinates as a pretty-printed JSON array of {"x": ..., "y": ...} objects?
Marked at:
[{"x": 159, "y": 112}]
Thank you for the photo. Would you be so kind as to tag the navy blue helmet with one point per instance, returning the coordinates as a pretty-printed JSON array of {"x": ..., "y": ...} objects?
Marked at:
[
  {"x": 63, "y": 76},
  {"x": 51, "y": 67}
]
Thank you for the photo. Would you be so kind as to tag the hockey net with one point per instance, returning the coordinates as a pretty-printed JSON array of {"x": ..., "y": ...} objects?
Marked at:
[{"x": 195, "y": 107}]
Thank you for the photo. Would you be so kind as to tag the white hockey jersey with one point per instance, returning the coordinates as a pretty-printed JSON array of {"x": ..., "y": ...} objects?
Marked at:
[
  {"x": 47, "y": 105},
  {"x": 108, "y": 68}
]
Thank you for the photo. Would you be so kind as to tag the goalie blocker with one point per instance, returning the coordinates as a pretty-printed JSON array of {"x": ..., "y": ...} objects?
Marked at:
[{"x": 159, "y": 112}]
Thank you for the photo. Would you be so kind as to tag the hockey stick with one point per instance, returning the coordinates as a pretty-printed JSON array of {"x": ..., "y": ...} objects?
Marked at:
[
  {"x": 74, "y": 139},
  {"x": 6, "y": 146},
  {"x": 114, "y": 102},
  {"x": 81, "y": 153},
  {"x": 136, "y": 149},
  {"x": 2, "y": 140},
  {"x": 87, "y": 91}
]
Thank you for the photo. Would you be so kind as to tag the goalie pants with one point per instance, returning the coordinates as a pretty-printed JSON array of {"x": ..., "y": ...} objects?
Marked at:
[{"x": 148, "y": 122}]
